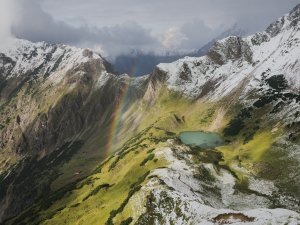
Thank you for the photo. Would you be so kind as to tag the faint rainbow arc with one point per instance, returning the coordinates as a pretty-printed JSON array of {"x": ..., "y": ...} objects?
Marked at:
[{"x": 117, "y": 112}]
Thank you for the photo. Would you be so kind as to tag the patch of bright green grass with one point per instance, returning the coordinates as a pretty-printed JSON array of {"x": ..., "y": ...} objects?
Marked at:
[
  {"x": 90, "y": 202},
  {"x": 240, "y": 155}
]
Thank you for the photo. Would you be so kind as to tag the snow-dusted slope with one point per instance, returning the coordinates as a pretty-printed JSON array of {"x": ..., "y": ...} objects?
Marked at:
[
  {"x": 208, "y": 201},
  {"x": 42, "y": 59},
  {"x": 50, "y": 95},
  {"x": 234, "y": 59}
]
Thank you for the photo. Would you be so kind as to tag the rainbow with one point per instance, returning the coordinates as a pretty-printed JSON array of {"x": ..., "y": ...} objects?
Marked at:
[{"x": 117, "y": 113}]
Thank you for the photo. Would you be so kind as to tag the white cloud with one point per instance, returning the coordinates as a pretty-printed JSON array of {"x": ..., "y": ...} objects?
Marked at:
[
  {"x": 100, "y": 49},
  {"x": 189, "y": 36},
  {"x": 172, "y": 38},
  {"x": 199, "y": 34}
]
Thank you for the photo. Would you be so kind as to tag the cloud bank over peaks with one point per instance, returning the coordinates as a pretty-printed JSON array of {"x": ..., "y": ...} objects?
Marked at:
[
  {"x": 27, "y": 19},
  {"x": 108, "y": 27}
]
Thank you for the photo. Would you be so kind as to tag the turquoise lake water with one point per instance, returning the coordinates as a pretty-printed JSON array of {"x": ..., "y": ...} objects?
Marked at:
[{"x": 201, "y": 139}]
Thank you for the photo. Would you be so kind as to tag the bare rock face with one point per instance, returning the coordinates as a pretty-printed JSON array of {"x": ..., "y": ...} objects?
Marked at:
[
  {"x": 185, "y": 74},
  {"x": 275, "y": 27},
  {"x": 232, "y": 48},
  {"x": 291, "y": 20},
  {"x": 260, "y": 38},
  {"x": 156, "y": 80},
  {"x": 294, "y": 15},
  {"x": 87, "y": 53},
  {"x": 7, "y": 65}
]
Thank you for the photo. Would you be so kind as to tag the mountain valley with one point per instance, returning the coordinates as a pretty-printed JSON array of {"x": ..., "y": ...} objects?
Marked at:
[{"x": 81, "y": 145}]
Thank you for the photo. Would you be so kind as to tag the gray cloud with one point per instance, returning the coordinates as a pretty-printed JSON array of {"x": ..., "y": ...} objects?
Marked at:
[
  {"x": 35, "y": 25},
  {"x": 163, "y": 14},
  {"x": 105, "y": 24},
  {"x": 198, "y": 34}
]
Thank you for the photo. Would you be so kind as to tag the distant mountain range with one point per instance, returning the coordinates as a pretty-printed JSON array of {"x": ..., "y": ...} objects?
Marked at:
[{"x": 139, "y": 63}]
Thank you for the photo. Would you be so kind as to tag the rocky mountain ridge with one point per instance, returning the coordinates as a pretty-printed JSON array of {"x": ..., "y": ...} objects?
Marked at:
[
  {"x": 232, "y": 59},
  {"x": 245, "y": 89},
  {"x": 52, "y": 95}
]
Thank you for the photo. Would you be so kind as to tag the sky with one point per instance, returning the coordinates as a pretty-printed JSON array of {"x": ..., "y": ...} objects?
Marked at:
[{"x": 113, "y": 27}]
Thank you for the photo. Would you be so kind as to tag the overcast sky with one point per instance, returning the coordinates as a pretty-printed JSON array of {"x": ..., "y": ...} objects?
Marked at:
[{"x": 118, "y": 26}]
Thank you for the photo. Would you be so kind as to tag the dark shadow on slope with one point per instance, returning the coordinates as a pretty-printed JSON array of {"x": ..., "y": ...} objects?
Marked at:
[{"x": 84, "y": 111}]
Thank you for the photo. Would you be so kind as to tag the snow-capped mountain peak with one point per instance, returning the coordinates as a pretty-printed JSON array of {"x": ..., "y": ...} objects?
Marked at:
[
  {"x": 25, "y": 57},
  {"x": 233, "y": 59}
]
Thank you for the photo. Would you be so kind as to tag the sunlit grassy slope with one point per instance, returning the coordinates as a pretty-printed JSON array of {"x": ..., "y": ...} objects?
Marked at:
[
  {"x": 110, "y": 188},
  {"x": 111, "y": 193}
]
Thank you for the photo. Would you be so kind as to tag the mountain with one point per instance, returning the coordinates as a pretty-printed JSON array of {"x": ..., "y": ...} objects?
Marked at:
[
  {"x": 81, "y": 145},
  {"x": 235, "y": 30},
  {"x": 55, "y": 99},
  {"x": 138, "y": 63}
]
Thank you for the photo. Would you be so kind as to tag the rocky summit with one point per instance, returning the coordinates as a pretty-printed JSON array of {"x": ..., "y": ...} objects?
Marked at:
[{"x": 82, "y": 145}]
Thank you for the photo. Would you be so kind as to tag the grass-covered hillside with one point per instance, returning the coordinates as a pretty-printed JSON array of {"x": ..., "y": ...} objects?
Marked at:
[
  {"x": 118, "y": 190},
  {"x": 80, "y": 145}
]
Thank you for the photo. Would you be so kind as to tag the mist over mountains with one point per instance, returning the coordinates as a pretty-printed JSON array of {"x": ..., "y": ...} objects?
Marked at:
[{"x": 138, "y": 63}]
